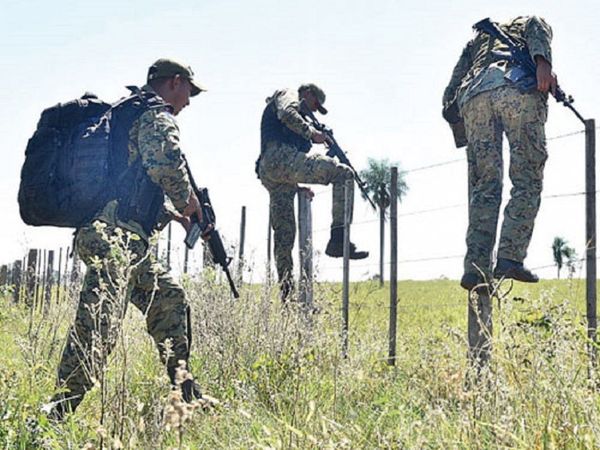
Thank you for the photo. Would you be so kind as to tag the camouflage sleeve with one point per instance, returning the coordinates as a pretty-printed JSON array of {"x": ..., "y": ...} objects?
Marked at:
[
  {"x": 538, "y": 36},
  {"x": 158, "y": 145},
  {"x": 287, "y": 106},
  {"x": 461, "y": 68}
]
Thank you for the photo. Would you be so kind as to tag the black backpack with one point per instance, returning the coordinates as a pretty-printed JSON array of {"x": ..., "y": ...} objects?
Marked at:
[{"x": 71, "y": 167}]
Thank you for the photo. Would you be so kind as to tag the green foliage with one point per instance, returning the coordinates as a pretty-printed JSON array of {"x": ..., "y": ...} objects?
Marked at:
[
  {"x": 377, "y": 178},
  {"x": 560, "y": 250},
  {"x": 283, "y": 383}
]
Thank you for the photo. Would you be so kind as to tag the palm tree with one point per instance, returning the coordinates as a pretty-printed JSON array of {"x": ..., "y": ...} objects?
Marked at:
[
  {"x": 377, "y": 179},
  {"x": 560, "y": 250}
]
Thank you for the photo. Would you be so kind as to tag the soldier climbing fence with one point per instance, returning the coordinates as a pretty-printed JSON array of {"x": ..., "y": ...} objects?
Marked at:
[{"x": 35, "y": 281}]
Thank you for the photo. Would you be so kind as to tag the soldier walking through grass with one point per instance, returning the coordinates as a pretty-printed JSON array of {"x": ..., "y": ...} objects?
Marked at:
[
  {"x": 154, "y": 189},
  {"x": 286, "y": 138},
  {"x": 487, "y": 88}
]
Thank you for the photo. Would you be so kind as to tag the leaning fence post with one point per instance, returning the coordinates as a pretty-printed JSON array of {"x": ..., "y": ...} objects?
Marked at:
[
  {"x": 346, "y": 271},
  {"x": 393, "y": 266},
  {"x": 590, "y": 235},
  {"x": 240, "y": 269},
  {"x": 305, "y": 295}
]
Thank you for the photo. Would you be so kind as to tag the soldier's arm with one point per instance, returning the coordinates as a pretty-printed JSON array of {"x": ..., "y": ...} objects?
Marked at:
[
  {"x": 461, "y": 69},
  {"x": 158, "y": 140},
  {"x": 288, "y": 111},
  {"x": 538, "y": 36}
]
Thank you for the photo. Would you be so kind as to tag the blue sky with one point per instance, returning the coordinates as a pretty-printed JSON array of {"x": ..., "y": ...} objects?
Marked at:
[{"x": 383, "y": 65}]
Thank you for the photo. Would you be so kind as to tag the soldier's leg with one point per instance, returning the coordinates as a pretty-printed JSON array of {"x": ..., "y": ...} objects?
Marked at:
[
  {"x": 524, "y": 116},
  {"x": 285, "y": 165},
  {"x": 102, "y": 304},
  {"x": 163, "y": 302},
  {"x": 484, "y": 156}
]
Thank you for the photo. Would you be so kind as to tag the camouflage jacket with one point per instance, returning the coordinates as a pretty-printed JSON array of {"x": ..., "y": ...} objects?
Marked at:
[
  {"x": 154, "y": 138},
  {"x": 287, "y": 105},
  {"x": 482, "y": 66}
]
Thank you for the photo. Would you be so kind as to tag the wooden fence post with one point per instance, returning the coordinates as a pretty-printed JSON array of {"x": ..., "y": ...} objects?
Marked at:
[
  {"x": 66, "y": 277},
  {"x": 305, "y": 248},
  {"x": 393, "y": 267},
  {"x": 269, "y": 251},
  {"x": 480, "y": 327},
  {"x": 16, "y": 280},
  {"x": 31, "y": 275},
  {"x": 169, "y": 246},
  {"x": 58, "y": 281},
  {"x": 49, "y": 279},
  {"x": 43, "y": 270},
  {"x": 186, "y": 257},
  {"x": 381, "y": 238},
  {"x": 4, "y": 275},
  {"x": 75, "y": 267},
  {"x": 346, "y": 271},
  {"x": 590, "y": 235},
  {"x": 240, "y": 268}
]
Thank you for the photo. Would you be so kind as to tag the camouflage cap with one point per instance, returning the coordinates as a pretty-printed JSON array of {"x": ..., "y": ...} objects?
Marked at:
[
  {"x": 317, "y": 92},
  {"x": 165, "y": 68}
]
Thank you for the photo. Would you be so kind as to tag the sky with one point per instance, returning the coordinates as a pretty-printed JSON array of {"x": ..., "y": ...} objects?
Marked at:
[{"x": 383, "y": 65}]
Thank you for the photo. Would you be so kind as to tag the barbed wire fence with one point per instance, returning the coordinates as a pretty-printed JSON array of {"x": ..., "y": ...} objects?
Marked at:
[
  {"x": 479, "y": 306},
  {"x": 36, "y": 279}
]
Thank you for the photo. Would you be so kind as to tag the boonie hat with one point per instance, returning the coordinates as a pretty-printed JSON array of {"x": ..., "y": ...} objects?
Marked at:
[
  {"x": 165, "y": 68},
  {"x": 318, "y": 92}
]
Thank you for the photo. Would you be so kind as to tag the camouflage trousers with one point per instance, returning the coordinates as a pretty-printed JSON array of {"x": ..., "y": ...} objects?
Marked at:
[
  {"x": 521, "y": 116},
  {"x": 281, "y": 168},
  {"x": 117, "y": 273}
]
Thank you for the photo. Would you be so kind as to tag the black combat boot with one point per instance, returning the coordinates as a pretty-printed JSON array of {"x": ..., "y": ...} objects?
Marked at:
[
  {"x": 507, "y": 268},
  {"x": 470, "y": 279},
  {"x": 190, "y": 390},
  {"x": 335, "y": 246}
]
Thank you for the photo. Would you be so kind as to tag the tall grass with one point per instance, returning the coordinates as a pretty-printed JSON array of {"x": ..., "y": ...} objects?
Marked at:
[{"x": 282, "y": 382}]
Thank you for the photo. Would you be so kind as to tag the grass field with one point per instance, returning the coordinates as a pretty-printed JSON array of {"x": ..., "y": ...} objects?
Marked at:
[{"x": 282, "y": 381}]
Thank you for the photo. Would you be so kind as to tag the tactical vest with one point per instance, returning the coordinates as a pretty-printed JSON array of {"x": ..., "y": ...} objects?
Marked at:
[
  {"x": 273, "y": 129},
  {"x": 139, "y": 198}
]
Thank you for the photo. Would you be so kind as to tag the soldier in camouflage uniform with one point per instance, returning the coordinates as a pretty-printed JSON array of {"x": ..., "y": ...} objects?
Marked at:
[
  {"x": 158, "y": 178},
  {"x": 286, "y": 139},
  {"x": 491, "y": 104}
]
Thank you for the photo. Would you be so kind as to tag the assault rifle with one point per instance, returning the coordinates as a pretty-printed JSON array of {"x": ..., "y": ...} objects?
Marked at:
[
  {"x": 524, "y": 71},
  {"x": 335, "y": 151},
  {"x": 207, "y": 228}
]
